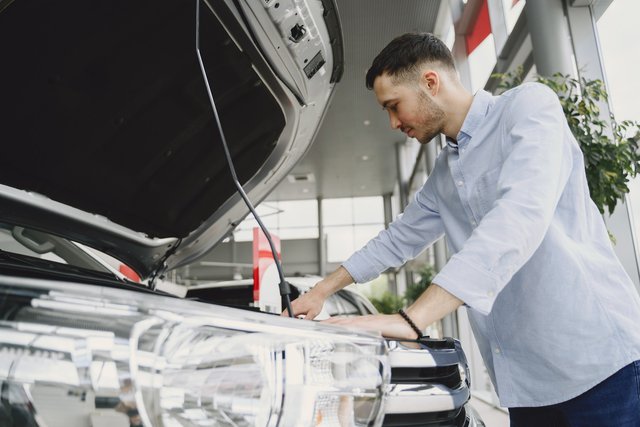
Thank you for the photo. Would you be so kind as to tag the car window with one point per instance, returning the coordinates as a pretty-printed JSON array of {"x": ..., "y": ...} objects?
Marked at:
[
  {"x": 332, "y": 305},
  {"x": 365, "y": 305},
  {"x": 345, "y": 303},
  {"x": 348, "y": 305},
  {"x": 36, "y": 244},
  {"x": 8, "y": 243}
]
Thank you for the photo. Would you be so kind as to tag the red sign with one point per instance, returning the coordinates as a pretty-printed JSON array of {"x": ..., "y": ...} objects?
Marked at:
[
  {"x": 266, "y": 280},
  {"x": 480, "y": 29}
]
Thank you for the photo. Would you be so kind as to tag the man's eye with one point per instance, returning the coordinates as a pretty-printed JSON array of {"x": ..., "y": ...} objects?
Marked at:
[{"x": 390, "y": 107}]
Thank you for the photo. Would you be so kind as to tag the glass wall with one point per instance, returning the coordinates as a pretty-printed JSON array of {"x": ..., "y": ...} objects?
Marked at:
[
  {"x": 349, "y": 223},
  {"x": 512, "y": 11},
  {"x": 289, "y": 220},
  {"x": 619, "y": 35}
]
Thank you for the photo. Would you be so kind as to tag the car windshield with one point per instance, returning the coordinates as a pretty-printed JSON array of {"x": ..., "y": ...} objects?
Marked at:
[{"x": 20, "y": 245}]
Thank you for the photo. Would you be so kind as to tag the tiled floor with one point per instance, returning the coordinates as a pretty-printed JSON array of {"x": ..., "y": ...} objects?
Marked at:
[{"x": 491, "y": 416}]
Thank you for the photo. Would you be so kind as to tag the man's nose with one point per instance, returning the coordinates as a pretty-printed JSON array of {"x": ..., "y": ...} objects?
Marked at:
[{"x": 395, "y": 123}]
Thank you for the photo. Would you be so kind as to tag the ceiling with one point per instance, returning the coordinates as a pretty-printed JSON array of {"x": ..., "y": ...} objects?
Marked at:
[{"x": 354, "y": 152}]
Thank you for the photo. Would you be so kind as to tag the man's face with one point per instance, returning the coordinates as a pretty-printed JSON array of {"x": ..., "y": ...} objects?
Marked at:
[{"x": 411, "y": 109}]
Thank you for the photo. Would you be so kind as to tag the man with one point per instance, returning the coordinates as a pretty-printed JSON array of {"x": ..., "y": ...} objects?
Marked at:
[{"x": 555, "y": 316}]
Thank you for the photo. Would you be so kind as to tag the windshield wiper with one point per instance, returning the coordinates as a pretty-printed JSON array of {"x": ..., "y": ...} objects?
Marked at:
[
  {"x": 46, "y": 268},
  {"x": 23, "y": 265}
]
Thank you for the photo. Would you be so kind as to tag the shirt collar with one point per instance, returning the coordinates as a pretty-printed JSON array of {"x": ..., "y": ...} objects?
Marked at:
[
  {"x": 477, "y": 112},
  {"x": 451, "y": 143}
]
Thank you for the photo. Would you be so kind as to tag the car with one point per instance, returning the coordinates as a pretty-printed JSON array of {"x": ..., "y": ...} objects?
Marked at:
[
  {"x": 119, "y": 119},
  {"x": 426, "y": 389},
  {"x": 345, "y": 302}
]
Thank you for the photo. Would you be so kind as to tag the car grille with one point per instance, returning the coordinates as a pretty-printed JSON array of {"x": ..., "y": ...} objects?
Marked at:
[
  {"x": 446, "y": 375},
  {"x": 429, "y": 385},
  {"x": 427, "y": 419}
]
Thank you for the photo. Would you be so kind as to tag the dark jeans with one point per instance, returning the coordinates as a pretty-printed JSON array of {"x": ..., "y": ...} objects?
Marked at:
[{"x": 615, "y": 402}]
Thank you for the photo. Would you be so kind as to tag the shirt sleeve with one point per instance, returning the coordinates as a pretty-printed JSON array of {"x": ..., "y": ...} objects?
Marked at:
[
  {"x": 536, "y": 167},
  {"x": 418, "y": 227}
]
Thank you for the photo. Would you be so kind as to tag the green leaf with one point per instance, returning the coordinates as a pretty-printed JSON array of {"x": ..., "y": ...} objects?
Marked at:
[{"x": 388, "y": 303}]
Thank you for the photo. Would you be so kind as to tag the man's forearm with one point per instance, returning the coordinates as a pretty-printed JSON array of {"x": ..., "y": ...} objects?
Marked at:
[
  {"x": 432, "y": 305},
  {"x": 334, "y": 282}
]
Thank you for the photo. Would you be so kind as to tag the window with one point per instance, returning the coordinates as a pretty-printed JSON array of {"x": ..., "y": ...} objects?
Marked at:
[
  {"x": 289, "y": 220},
  {"x": 619, "y": 32},
  {"x": 512, "y": 11},
  {"x": 350, "y": 223}
]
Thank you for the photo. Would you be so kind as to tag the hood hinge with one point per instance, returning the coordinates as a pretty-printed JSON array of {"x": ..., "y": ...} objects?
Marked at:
[{"x": 162, "y": 265}]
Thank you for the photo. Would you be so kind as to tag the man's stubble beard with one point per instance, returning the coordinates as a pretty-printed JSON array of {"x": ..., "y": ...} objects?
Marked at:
[{"x": 433, "y": 119}]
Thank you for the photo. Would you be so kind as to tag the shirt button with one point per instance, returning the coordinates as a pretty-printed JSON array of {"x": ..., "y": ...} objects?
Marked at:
[
  {"x": 490, "y": 293},
  {"x": 460, "y": 183},
  {"x": 497, "y": 350},
  {"x": 463, "y": 150},
  {"x": 474, "y": 223}
]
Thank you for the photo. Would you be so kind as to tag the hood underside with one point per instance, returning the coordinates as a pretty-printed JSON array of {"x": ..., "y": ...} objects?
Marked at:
[{"x": 105, "y": 110}]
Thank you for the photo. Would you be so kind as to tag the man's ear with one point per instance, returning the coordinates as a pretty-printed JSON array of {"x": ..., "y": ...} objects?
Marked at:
[{"x": 430, "y": 81}]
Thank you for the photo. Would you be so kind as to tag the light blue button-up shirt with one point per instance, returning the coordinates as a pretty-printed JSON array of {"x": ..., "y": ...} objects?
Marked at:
[{"x": 551, "y": 307}]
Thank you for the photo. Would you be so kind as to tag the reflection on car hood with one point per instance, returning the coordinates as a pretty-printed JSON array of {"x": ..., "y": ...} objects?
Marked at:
[{"x": 108, "y": 133}]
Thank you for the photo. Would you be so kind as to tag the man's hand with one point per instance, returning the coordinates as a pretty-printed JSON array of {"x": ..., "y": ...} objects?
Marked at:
[
  {"x": 432, "y": 305},
  {"x": 307, "y": 305},
  {"x": 389, "y": 325},
  {"x": 310, "y": 304}
]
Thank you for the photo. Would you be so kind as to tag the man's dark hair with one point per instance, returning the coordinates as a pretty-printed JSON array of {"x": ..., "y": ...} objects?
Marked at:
[{"x": 402, "y": 57}]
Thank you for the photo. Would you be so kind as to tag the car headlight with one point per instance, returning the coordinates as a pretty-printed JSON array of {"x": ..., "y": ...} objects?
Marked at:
[{"x": 120, "y": 359}]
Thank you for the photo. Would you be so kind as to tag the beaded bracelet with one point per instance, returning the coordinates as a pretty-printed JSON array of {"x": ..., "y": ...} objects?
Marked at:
[{"x": 406, "y": 317}]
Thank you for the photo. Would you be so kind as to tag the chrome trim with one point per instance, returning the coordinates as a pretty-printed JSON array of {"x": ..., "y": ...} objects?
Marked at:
[
  {"x": 473, "y": 418},
  {"x": 417, "y": 398},
  {"x": 402, "y": 356}
]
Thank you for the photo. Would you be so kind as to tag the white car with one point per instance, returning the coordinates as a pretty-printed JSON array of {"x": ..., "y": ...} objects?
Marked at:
[
  {"x": 345, "y": 302},
  {"x": 116, "y": 120}
]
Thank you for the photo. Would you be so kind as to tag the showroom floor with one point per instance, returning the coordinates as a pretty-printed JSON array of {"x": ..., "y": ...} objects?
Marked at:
[{"x": 491, "y": 416}]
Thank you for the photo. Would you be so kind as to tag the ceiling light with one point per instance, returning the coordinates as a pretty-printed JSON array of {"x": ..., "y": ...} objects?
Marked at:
[
  {"x": 305, "y": 190},
  {"x": 367, "y": 122},
  {"x": 365, "y": 158},
  {"x": 301, "y": 178}
]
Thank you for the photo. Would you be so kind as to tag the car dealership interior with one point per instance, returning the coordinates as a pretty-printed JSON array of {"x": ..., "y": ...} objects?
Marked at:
[
  {"x": 137, "y": 285},
  {"x": 359, "y": 173}
]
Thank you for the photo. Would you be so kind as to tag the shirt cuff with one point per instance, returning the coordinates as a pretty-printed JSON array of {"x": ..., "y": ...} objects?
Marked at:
[
  {"x": 360, "y": 270},
  {"x": 476, "y": 287}
]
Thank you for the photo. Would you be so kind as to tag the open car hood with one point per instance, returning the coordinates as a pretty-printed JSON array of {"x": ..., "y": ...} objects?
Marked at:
[{"x": 108, "y": 134}]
